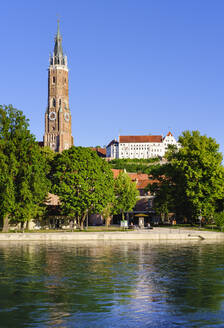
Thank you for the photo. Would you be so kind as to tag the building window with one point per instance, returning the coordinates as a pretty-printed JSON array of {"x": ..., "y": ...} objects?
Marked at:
[
  {"x": 54, "y": 79},
  {"x": 54, "y": 102}
]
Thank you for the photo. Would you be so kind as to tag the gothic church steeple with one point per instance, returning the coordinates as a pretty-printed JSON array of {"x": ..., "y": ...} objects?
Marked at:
[{"x": 58, "y": 117}]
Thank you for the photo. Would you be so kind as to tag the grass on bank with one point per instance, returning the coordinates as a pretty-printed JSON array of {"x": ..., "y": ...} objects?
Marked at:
[
  {"x": 89, "y": 229},
  {"x": 114, "y": 228},
  {"x": 209, "y": 227}
]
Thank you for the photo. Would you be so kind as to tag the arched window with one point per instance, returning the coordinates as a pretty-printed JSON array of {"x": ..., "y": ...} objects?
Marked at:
[
  {"x": 59, "y": 102},
  {"x": 54, "y": 102}
]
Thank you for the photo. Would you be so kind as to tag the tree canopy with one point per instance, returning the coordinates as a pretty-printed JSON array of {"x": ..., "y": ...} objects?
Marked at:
[
  {"x": 23, "y": 182},
  {"x": 83, "y": 181},
  {"x": 126, "y": 194},
  {"x": 193, "y": 180}
]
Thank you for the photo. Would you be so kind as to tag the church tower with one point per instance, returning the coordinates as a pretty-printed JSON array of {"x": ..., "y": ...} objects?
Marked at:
[{"x": 58, "y": 134}]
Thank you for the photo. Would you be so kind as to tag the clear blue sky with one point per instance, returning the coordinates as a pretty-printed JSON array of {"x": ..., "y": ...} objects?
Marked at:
[{"x": 136, "y": 66}]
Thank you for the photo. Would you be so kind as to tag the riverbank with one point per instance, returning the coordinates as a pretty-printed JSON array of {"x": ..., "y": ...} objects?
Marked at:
[{"x": 158, "y": 234}]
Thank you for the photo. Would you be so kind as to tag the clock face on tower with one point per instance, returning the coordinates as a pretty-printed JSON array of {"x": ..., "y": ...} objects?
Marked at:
[
  {"x": 67, "y": 117},
  {"x": 52, "y": 116},
  {"x": 53, "y": 146}
]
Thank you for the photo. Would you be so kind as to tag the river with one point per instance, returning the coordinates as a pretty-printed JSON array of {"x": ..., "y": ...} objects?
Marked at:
[{"x": 111, "y": 284}]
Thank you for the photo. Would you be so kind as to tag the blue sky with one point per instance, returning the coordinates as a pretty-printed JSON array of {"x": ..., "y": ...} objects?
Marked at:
[{"x": 136, "y": 66}]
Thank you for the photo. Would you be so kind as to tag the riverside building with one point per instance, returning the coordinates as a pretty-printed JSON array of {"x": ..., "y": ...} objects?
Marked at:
[{"x": 140, "y": 146}]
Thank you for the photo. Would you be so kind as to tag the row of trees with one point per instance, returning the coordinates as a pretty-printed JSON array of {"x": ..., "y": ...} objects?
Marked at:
[
  {"x": 191, "y": 184},
  {"x": 83, "y": 181}
]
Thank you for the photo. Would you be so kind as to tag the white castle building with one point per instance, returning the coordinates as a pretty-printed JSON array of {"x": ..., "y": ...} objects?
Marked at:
[{"x": 140, "y": 146}]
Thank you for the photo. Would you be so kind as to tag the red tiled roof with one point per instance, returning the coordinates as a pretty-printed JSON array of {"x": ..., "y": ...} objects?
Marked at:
[
  {"x": 142, "y": 180},
  {"x": 129, "y": 139},
  {"x": 169, "y": 134},
  {"x": 138, "y": 176},
  {"x": 100, "y": 151},
  {"x": 142, "y": 184},
  {"x": 116, "y": 172}
]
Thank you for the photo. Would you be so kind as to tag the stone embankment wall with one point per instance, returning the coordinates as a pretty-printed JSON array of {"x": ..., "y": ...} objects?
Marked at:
[{"x": 158, "y": 234}]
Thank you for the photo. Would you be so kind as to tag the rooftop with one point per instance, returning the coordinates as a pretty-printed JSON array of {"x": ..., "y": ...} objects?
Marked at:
[{"x": 131, "y": 139}]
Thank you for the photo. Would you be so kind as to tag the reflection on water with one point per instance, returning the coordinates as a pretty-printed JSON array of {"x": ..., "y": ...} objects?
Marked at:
[{"x": 111, "y": 284}]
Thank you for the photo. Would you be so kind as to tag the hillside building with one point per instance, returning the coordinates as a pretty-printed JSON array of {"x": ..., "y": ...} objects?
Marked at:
[{"x": 140, "y": 146}]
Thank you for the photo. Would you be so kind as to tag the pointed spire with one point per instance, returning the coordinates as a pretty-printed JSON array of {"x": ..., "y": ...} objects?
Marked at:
[
  {"x": 58, "y": 33},
  {"x": 58, "y": 52},
  {"x": 58, "y": 58}
]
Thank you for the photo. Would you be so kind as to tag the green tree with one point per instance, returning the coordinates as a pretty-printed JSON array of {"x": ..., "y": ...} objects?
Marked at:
[
  {"x": 164, "y": 190},
  {"x": 107, "y": 213},
  {"x": 23, "y": 182},
  {"x": 219, "y": 220},
  {"x": 200, "y": 171},
  {"x": 83, "y": 181},
  {"x": 126, "y": 194},
  {"x": 48, "y": 155},
  {"x": 195, "y": 176}
]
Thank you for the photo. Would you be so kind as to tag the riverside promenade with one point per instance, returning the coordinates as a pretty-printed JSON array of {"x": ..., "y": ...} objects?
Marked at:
[{"x": 157, "y": 234}]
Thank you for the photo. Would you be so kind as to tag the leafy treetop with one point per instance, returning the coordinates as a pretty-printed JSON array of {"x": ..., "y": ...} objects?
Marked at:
[
  {"x": 23, "y": 182},
  {"x": 83, "y": 181},
  {"x": 126, "y": 194},
  {"x": 192, "y": 181}
]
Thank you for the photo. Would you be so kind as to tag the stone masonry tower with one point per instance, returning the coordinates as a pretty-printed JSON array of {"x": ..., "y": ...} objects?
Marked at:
[{"x": 58, "y": 134}]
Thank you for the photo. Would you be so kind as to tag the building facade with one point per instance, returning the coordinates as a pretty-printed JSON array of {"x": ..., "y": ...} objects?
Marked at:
[
  {"x": 140, "y": 146},
  {"x": 112, "y": 149},
  {"x": 58, "y": 130}
]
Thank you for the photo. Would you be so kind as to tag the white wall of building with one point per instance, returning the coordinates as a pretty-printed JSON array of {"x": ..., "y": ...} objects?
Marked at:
[
  {"x": 141, "y": 149},
  {"x": 112, "y": 150}
]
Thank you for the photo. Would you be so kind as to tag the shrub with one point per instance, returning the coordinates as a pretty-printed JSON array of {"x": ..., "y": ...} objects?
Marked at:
[{"x": 219, "y": 220}]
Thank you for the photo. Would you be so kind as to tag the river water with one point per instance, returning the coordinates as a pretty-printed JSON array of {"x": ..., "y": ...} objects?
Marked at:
[{"x": 99, "y": 284}]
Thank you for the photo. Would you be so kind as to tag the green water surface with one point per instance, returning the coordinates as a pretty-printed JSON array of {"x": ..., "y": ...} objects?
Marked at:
[{"x": 96, "y": 284}]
